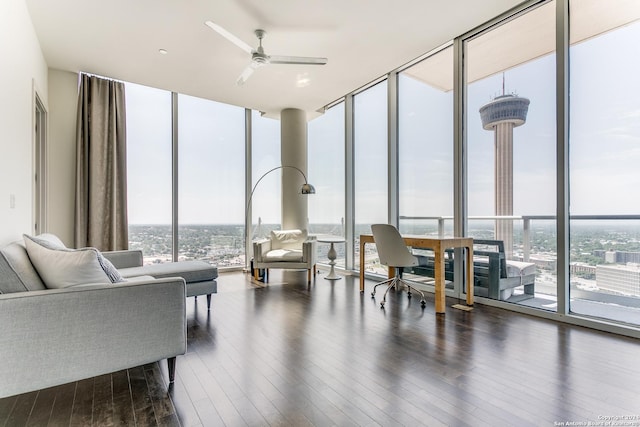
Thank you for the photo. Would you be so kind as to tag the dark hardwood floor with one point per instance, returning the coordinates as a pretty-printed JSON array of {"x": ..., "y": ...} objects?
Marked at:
[{"x": 292, "y": 354}]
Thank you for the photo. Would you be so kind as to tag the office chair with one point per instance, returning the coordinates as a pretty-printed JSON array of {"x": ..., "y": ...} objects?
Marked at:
[{"x": 394, "y": 253}]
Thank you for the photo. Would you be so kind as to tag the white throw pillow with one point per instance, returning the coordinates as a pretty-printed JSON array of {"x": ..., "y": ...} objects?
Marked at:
[
  {"x": 62, "y": 267},
  {"x": 287, "y": 239}
]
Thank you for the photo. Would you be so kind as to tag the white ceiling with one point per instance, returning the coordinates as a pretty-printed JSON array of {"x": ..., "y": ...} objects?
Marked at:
[
  {"x": 363, "y": 39},
  {"x": 525, "y": 38}
]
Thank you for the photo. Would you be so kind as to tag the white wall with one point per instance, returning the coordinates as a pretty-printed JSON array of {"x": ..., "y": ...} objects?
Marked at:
[
  {"x": 63, "y": 98},
  {"x": 22, "y": 65}
]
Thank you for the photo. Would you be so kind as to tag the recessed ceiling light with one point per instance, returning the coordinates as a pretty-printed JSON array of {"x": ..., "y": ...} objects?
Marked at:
[
  {"x": 163, "y": 51},
  {"x": 303, "y": 80}
]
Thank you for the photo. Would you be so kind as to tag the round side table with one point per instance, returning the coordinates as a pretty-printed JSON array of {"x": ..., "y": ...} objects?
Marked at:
[{"x": 332, "y": 255}]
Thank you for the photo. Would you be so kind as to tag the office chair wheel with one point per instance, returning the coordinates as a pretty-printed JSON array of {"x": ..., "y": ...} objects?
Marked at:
[
  {"x": 423, "y": 303},
  {"x": 373, "y": 294},
  {"x": 381, "y": 304},
  {"x": 409, "y": 295}
]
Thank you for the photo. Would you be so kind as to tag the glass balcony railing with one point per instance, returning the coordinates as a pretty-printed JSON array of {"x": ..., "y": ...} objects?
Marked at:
[
  {"x": 604, "y": 264},
  {"x": 604, "y": 259}
]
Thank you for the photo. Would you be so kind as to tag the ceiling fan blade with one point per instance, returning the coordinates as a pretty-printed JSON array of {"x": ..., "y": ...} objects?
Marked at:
[
  {"x": 305, "y": 60},
  {"x": 246, "y": 73},
  {"x": 227, "y": 35}
]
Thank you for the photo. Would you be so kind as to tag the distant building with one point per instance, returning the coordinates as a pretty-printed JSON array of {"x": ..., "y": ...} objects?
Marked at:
[
  {"x": 627, "y": 257},
  {"x": 619, "y": 257},
  {"x": 580, "y": 267},
  {"x": 619, "y": 278}
]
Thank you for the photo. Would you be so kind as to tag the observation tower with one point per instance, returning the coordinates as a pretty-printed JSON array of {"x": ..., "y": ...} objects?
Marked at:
[{"x": 501, "y": 115}]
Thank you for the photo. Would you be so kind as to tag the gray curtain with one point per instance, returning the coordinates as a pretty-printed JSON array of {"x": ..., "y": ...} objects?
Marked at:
[{"x": 101, "y": 174}]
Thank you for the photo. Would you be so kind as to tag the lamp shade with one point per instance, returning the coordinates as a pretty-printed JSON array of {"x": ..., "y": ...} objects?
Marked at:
[{"x": 308, "y": 189}]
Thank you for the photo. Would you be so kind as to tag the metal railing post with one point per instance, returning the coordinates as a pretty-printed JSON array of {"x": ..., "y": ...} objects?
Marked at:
[{"x": 526, "y": 238}]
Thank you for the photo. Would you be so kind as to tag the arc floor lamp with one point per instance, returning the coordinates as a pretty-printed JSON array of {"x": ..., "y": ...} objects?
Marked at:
[{"x": 306, "y": 189}]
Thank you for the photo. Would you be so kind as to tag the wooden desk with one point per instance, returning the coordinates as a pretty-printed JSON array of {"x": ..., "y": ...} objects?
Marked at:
[{"x": 438, "y": 246}]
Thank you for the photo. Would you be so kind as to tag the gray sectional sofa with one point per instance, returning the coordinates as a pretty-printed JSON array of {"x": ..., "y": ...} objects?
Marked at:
[{"x": 51, "y": 335}]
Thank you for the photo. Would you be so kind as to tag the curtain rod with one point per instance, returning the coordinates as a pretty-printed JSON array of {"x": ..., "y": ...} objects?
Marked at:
[{"x": 102, "y": 77}]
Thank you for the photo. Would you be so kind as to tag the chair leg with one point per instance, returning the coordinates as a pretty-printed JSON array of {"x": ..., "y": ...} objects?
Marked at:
[
  {"x": 373, "y": 293},
  {"x": 309, "y": 276},
  {"x": 208, "y": 301},
  {"x": 392, "y": 282},
  {"x": 256, "y": 274},
  {"x": 423, "y": 302},
  {"x": 529, "y": 289}
]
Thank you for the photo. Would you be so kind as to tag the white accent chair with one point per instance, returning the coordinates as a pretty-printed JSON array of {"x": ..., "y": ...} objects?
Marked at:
[
  {"x": 393, "y": 252},
  {"x": 288, "y": 249}
]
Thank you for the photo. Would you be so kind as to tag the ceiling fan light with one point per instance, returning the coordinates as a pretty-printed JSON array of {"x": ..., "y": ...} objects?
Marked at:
[{"x": 260, "y": 60}]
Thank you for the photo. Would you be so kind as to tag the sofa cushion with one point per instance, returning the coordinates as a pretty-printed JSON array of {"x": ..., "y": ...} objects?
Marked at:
[
  {"x": 18, "y": 264},
  {"x": 283, "y": 255},
  {"x": 137, "y": 279},
  {"x": 287, "y": 239},
  {"x": 190, "y": 271},
  {"x": 62, "y": 267}
]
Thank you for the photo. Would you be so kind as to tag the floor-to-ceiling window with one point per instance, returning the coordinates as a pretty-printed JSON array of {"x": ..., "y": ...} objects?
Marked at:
[
  {"x": 510, "y": 69},
  {"x": 266, "y": 205},
  {"x": 210, "y": 181},
  {"x": 149, "y": 189},
  {"x": 425, "y": 141},
  {"x": 326, "y": 172},
  {"x": 511, "y": 146},
  {"x": 370, "y": 138},
  {"x": 210, "y": 177},
  {"x": 604, "y": 157}
]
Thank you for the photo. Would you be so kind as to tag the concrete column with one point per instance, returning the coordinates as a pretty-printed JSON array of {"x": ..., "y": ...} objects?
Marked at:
[{"x": 293, "y": 139}]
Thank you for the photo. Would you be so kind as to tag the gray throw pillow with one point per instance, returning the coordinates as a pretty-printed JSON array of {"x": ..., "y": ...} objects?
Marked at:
[
  {"x": 49, "y": 240},
  {"x": 112, "y": 272}
]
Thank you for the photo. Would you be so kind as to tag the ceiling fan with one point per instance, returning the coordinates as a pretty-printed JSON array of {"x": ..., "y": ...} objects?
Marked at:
[{"x": 258, "y": 57}]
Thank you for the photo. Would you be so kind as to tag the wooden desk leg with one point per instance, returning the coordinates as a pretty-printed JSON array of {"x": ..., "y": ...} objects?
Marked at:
[
  {"x": 440, "y": 294},
  {"x": 361, "y": 266},
  {"x": 469, "y": 278}
]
